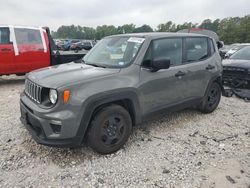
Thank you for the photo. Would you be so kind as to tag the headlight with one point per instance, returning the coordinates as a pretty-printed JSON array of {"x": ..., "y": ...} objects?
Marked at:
[{"x": 53, "y": 96}]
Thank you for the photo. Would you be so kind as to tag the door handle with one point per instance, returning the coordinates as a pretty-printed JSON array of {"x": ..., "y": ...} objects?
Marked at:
[
  {"x": 180, "y": 73},
  {"x": 5, "y": 50},
  {"x": 210, "y": 67}
]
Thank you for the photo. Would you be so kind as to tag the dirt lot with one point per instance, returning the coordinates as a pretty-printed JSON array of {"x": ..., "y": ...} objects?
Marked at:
[{"x": 184, "y": 149}]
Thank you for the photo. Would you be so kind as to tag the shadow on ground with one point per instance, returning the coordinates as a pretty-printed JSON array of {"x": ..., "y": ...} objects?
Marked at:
[
  {"x": 11, "y": 80},
  {"x": 64, "y": 157}
]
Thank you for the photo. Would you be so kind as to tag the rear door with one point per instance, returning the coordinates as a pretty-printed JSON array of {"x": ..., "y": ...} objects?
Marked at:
[
  {"x": 33, "y": 50},
  {"x": 7, "y": 65},
  {"x": 198, "y": 64}
]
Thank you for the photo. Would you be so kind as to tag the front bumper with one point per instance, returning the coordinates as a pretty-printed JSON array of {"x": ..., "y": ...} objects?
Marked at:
[
  {"x": 236, "y": 81},
  {"x": 49, "y": 131}
]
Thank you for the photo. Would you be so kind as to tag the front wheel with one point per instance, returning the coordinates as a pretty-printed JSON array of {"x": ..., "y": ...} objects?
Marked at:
[
  {"x": 211, "y": 99},
  {"x": 109, "y": 129}
]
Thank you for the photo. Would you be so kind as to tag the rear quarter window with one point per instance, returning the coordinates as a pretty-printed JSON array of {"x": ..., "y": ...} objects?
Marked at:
[
  {"x": 196, "y": 49},
  {"x": 28, "y": 36}
]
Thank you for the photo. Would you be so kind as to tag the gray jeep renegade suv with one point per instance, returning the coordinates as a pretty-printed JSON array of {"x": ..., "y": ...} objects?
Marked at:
[{"x": 122, "y": 81}]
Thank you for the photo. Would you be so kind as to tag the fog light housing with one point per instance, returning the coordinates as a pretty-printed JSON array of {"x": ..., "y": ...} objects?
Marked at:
[{"x": 56, "y": 128}]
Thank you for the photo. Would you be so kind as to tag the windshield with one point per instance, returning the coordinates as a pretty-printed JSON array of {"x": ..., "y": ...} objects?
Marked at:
[
  {"x": 243, "y": 54},
  {"x": 114, "y": 52}
]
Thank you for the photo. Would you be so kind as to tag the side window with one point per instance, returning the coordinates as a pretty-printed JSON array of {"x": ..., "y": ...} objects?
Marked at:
[
  {"x": 211, "y": 44},
  {"x": 4, "y": 36},
  {"x": 28, "y": 36},
  {"x": 196, "y": 49},
  {"x": 170, "y": 48}
]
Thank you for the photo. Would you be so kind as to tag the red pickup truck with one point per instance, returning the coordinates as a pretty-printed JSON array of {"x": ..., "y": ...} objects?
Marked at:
[{"x": 23, "y": 49}]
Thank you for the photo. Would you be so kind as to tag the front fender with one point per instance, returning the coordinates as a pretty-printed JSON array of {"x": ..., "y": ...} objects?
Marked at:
[{"x": 95, "y": 101}]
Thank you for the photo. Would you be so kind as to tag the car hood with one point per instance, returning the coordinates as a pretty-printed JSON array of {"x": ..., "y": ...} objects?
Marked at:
[
  {"x": 66, "y": 74},
  {"x": 236, "y": 63}
]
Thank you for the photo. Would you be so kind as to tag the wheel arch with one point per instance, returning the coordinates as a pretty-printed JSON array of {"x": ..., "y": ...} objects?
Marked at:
[
  {"x": 127, "y": 99},
  {"x": 217, "y": 79}
]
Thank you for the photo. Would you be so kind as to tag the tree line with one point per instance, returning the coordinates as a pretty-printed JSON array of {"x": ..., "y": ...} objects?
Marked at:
[{"x": 230, "y": 30}]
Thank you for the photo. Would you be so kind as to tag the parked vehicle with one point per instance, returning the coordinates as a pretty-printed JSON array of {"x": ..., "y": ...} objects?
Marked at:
[
  {"x": 24, "y": 49},
  {"x": 87, "y": 45},
  {"x": 100, "y": 100},
  {"x": 66, "y": 46},
  {"x": 236, "y": 69},
  {"x": 60, "y": 44},
  {"x": 80, "y": 45},
  {"x": 234, "y": 48},
  {"x": 224, "y": 50},
  {"x": 76, "y": 46}
]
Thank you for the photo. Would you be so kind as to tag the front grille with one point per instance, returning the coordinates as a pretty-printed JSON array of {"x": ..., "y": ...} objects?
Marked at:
[
  {"x": 33, "y": 91},
  {"x": 234, "y": 69},
  {"x": 235, "y": 72}
]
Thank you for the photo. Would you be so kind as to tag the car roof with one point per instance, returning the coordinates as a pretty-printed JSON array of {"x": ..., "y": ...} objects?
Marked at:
[
  {"x": 156, "y": 35},
  {"x": 21, "y": 26}
]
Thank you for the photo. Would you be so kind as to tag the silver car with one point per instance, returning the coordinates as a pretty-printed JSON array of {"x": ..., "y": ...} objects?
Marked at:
[{"x": 123, "y": 81}]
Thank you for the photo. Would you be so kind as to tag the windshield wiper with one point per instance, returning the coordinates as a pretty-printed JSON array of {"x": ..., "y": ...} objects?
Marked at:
[{"x": 95, "y": 65}]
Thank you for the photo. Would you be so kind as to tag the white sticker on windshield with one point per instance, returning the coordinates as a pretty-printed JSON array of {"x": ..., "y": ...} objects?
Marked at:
[
  {"x": 136, "y": 39},
  {"x": 121, "y": 63}
]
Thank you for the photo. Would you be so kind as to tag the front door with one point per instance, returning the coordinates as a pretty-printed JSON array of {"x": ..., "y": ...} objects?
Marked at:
[{"x": 167, "y": 86}]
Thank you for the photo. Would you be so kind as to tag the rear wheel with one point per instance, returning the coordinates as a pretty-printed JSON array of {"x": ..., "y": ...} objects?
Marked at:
[
  {"x": 211, "y": 99},
  {"x": 77, "y": 50},
  {"x": 109, "y": 129}
]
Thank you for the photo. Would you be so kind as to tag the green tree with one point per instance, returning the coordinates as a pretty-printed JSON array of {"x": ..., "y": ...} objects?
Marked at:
[
  {"x": 230, "y": 30},
  {"x": 105, "y": 30},
  {"x": 167, "y": 27},
  {"x": 186, "y": 25},
  {"x": 210, "y": 25},
  {"x": 144, "y": 28},
  {"x": 126, "y": 28},
  {"x": 73, "y": 32},
  {"x": 89, "y": 33}
]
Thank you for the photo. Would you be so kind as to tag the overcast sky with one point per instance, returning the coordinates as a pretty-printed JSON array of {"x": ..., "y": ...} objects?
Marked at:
[{"x": 54, "y": 13}]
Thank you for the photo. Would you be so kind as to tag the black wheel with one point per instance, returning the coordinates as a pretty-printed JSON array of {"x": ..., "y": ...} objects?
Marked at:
[
  {"x": 77, "y": 50},
  {"x": 109, "y": 129},
  {"x": 211, "y": 99}
]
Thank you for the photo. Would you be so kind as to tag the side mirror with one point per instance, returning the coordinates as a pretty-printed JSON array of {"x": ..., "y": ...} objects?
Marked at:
[
  {"x": 220, "y": 44},
  {"x": 160, "y": 64},
  {"x": 226, "y": 56}
]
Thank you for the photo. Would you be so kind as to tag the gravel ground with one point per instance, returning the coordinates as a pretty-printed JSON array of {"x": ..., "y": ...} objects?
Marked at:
[{"x": 183, "y": 149}]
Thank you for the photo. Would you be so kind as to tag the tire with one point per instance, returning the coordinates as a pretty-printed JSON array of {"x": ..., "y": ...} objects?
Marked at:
[
  {"x": 109, "y": 130},
  {"x": 211, "y": 99},
  {"x": 77, "y": 50}
]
